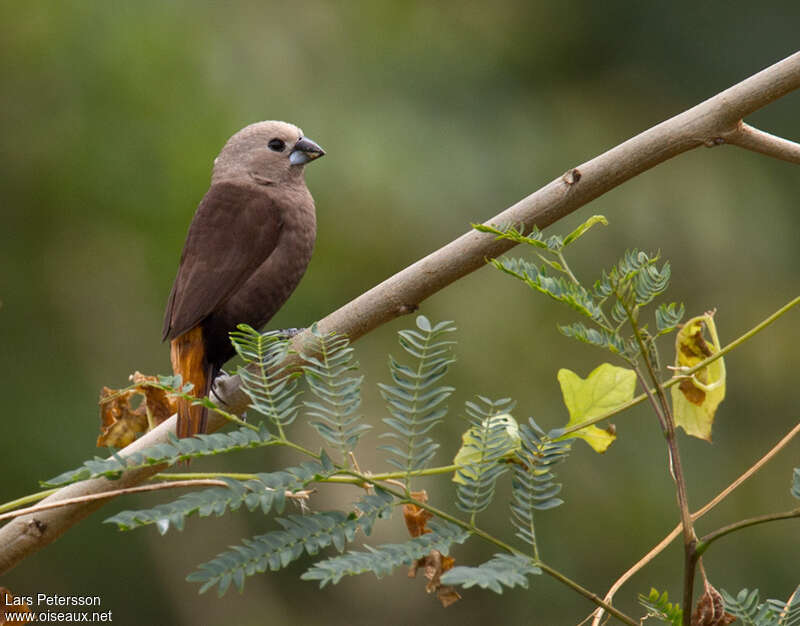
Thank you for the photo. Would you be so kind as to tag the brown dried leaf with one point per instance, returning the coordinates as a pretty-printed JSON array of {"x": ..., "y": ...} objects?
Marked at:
[
  {"x": 10, "y": 604},
  {"x": 159, "y": 404},
  {"x": 417, "y": 518},
  {"x": 121, "y": 422},
  {"x": 433, "y": 565},
  {"x": 710, "y": 609}
]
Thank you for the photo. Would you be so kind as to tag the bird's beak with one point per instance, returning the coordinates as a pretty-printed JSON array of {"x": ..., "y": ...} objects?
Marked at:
[{"x": 304, "y": 151}]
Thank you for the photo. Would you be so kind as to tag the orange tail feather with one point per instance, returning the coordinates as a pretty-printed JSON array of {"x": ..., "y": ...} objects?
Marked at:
[{"x": 188, "y": 359}]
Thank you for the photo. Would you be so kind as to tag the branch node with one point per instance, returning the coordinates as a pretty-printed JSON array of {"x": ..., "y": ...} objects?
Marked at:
[
  {"x": 35, "y": 528},
  {"x": 713, "y": 142},
  {"x": 572, "y": 176},
  {"x": 405, "y": 309}
]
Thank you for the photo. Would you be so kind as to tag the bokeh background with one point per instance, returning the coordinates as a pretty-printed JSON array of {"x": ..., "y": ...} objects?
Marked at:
[{"x": 434, "y": 115}]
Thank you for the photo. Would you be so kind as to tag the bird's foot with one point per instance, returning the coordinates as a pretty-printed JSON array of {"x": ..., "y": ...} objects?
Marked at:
[{"x": 288, "y": 333}]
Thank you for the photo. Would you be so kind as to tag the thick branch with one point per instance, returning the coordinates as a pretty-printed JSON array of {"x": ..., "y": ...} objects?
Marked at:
[{"x": 701, "y": 125}]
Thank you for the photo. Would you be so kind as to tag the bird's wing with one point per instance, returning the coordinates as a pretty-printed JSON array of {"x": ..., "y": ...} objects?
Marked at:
[{"x": 233, "y": 231}]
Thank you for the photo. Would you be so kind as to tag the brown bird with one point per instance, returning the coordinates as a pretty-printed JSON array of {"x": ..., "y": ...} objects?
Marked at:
[{"x": 248, "y": 245}]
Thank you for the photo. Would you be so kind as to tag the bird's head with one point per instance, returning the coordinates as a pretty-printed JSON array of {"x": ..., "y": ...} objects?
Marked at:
[{"x": 267, "y": 153}]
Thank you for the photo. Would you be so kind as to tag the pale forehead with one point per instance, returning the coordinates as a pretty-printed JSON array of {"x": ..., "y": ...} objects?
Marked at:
[{"x": 269, "y": 130}]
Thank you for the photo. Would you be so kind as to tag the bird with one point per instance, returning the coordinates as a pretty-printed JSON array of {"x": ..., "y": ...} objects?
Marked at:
[{"x": 247, "y": 247}]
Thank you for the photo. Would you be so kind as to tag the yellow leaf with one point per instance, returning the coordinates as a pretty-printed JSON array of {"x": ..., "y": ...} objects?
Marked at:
[
  {"x": 696, "y": 398},
  {"x": 604, "y": 389}
]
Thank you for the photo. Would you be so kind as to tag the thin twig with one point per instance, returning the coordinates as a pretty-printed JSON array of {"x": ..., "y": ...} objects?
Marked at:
[
  {"x": 750, "y": 138},
  {"x": 175, "y": 484},
  {"x": 661, "y": 545},
  {"x": 711, "y": 537}
]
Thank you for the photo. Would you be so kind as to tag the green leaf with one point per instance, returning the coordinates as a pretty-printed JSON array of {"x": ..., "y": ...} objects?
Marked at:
[
  {"x": 414, "y": 400},
  {"x": 534, "y": 238},
  {"x": 796, "y": 483},
  {"x": 695, "y": 399},
  {"x": 533, "y": 487},
  {"x": 328, "y": 359},
  {"x": 603, "y": 390},
  {"x": 169, "y": 453},
  {"x": 271, "y": 388},
  {"x": 659, "y": 607},
  {"x": 385, "y": 558},
  {"x": 469, "y": 454},
  {"x": 504, "y": 570},
  {"x": 747, "y": 606},
  {"x": 487, "y": 443},
  {"x": 265, "y": 492},
  {"x": 579, "y": 232},
  {"x": 276, "y": 549}
]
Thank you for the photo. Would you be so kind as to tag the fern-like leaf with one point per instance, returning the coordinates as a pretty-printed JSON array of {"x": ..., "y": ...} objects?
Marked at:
[
  {"x": 266, "y": 491},
  {"x": 601, "y": 338},
  {"x": 659, "y": 607},
  {"x": 533, "y": 488},
  {"x": 271, "y": 389},
  {"x": 668, "y": 316},
  {"x": 169, "y": 453},
  {"x": 788, "y": 613},
  {"x": 534, "y": 238},
  {"x": 488, "y": 444},
  {"x": 275, "y": 549},
  {"x": 414, "y": 400},
  {"x": 558, "y": 288},
  {"x": 746, "y": 605},
  {"x": 385, "y": 558},
  {"x": 502, "y": 570},
  {"x": 338, "y": 396},
  {"x": 301, "y": 533}
]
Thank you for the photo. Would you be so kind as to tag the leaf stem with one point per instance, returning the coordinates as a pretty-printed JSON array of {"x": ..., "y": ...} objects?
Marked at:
[
  {"x": 33, "y": 497},
  {"x": 690, "y": 555},
  {"x": 711, "y": 537}
]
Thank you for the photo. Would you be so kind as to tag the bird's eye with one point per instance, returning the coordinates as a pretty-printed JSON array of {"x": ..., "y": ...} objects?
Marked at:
[{"x": 276, "y": 145}]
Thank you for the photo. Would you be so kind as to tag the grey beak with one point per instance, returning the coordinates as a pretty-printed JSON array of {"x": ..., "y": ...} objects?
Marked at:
[{"x": 304, "y": 151}]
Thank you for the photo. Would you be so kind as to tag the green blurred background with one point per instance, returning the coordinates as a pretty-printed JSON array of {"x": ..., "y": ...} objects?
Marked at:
[{"x": 433, "y": 115}]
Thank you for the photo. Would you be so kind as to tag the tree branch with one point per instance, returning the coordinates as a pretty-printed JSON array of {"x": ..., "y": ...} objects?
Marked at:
[
  {"x": 745, "y": 136},
  {"x": 711, "y": 537},
  {"x": 701, "y": 125}
]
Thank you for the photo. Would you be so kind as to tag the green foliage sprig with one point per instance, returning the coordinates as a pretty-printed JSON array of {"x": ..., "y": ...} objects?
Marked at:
[
  {"x": 265, "y": 492},
  {"x": 659, "y": 607},
  {"x": 503, "y": 570},
  {"x": 488, "y": 445},
  {"x": 414, "y": 400},
  {"x": 338, "y": 396},
  {"x": 533, "y": 488},
  {"x": 382, "y": 560},
  {"x": 271, "y": 388},
  {"x": 748, "y": 608}
]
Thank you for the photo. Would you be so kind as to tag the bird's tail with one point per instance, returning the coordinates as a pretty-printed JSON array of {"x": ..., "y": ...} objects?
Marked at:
[{"x": 187, "y": 352}]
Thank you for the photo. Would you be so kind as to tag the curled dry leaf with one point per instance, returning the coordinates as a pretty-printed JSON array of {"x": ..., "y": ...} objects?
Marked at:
[
  {"x": 433, "y": 564},
  {"x": 121, "y": 422},
  {"x": 696, "y": 398},
  {"x": 710, "y": 609},
  {"x": 416, "y": 518}
]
